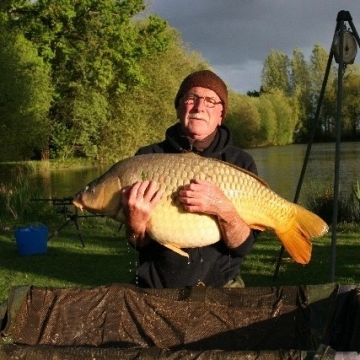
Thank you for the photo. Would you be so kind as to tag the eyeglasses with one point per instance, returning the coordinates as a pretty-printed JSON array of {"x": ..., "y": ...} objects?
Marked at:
[{"x": 208, "y": 101}]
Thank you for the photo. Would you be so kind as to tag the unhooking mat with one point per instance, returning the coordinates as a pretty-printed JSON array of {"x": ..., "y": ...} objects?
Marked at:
[{"x": 123, "y": 321}]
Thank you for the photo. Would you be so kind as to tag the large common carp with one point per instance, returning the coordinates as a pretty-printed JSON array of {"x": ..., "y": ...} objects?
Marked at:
[{"x": 176, "y": 228}]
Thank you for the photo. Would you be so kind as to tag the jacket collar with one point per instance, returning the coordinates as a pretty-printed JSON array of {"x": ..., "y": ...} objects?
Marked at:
[{"x": 215, "y": 144}]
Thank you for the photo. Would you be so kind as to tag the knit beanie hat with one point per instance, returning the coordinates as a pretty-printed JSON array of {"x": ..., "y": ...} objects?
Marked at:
[{"x": 206, "y": 79}]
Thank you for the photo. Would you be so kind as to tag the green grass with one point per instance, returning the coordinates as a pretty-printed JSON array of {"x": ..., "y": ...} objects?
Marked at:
[
  {"x": 108, "y": 259},
  {"x": 259, "y": 267}
]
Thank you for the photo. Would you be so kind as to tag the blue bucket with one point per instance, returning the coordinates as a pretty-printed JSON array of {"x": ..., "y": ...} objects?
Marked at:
[{"x": 32, "y": 239}]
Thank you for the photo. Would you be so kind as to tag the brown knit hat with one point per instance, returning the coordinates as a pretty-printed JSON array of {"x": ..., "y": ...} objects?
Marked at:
[{"x": 206, "y": 79}]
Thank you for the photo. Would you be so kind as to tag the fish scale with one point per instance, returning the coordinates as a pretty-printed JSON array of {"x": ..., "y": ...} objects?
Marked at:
[{"x": 172, "y": 226}]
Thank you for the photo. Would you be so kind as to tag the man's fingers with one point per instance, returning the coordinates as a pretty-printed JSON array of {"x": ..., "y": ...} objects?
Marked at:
[
  {"x": 150, "y": 190},
  {"x": 147, "y": 191},
  {"x": 141, "y": 188},
  {"x": 158, "y": 195}
]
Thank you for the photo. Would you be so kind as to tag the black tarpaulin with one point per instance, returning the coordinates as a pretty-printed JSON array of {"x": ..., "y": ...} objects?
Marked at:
[{"x": 123, "y": 321}]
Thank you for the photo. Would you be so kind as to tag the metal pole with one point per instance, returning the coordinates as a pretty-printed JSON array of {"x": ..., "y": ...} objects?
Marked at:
[{"x": 337, "y": 149}]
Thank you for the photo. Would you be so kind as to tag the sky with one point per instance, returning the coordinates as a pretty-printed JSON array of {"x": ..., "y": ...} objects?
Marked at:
[{"x": 236, "y": 36}]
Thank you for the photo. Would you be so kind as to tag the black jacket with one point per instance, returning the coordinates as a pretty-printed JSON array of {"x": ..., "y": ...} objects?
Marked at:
[{"x": 212, "y": 265}]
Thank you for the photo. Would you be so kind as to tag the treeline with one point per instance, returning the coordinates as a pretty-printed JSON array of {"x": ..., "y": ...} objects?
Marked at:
[
  {"x": 301, "y": 82},
  {"x": 97, "y": 79}
]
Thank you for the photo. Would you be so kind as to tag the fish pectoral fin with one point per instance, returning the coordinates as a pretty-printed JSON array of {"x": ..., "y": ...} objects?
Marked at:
[
  {"x": 176, "y": 249},
  {"x": 257, "y": 227}
]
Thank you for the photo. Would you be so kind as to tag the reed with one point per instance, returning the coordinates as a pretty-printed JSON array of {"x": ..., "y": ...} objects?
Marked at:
[{"x": 16, "y": 202}]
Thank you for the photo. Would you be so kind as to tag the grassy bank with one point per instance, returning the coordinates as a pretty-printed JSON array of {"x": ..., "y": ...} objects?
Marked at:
[{"x": 107, "y": 258}]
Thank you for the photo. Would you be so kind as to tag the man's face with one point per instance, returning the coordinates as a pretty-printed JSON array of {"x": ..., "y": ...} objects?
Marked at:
[{"x": 197, "y": 119}]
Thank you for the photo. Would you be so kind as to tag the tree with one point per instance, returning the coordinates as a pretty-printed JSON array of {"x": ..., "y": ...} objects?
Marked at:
[
  {"x": 25, "y": 98},
  {"x": 94, "y": 49},
  {"x": 244, "y": 120},
  {"x": 301, "y": 90},
  {"x": 275, "y": 73},
  {"x": 268, "y": 122},
  {"x": 145, "y": 112},
  {"x": 285, "y": 117},
  {"x": 253, "y": 93},
  {"x": 318, "y": 63},
  {"x": 351, "y": 106},
  {"x": 280, "y": 85}
]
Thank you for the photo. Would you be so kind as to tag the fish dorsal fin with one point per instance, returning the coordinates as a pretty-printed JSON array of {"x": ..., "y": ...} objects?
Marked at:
[{"x": 258, "y": 178}]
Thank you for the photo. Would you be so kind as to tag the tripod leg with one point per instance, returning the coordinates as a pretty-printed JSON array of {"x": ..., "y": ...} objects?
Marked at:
[
  {"x": 55, "y": 232},
  {"x": 75, "y": 219},
  {"x": 281, "y": 253}
]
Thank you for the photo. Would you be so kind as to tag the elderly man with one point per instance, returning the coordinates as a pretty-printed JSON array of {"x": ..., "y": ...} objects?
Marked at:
[{"x": 201, "y": 105}]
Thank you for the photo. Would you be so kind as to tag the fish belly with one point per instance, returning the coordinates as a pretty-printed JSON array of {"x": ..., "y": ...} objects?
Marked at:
[{"x": 171, "y": 225}]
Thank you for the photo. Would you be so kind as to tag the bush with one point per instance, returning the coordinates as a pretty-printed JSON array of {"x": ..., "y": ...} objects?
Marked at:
[{"x": 320, "y": 200}]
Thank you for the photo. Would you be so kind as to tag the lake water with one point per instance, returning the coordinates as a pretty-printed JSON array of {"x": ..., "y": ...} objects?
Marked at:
[{"x": 279, "y": 166}]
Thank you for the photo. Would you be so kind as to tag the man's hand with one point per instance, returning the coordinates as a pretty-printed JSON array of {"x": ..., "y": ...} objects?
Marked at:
[
  {"x": 204, "y": 197},
  {"x": 138, "y": 201},
  {"x": 207, "y": 198}
]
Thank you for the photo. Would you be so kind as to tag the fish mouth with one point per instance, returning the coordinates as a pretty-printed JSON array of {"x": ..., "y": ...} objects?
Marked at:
[{"x": 77, "y": 201}]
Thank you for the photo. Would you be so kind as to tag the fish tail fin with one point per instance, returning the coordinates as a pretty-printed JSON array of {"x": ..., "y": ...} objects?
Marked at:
[{"x": 296, "y": 239}]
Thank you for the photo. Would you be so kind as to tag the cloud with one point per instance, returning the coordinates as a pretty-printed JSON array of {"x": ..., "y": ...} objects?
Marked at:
[
  {"x": 235, "y": 36},
  {"x": 246, "y": 73}
]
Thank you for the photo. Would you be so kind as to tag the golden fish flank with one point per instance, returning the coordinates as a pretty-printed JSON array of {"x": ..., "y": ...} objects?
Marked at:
[{"x": 175, "y": 228}]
